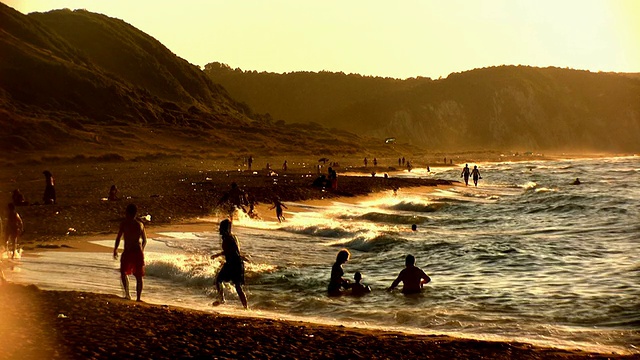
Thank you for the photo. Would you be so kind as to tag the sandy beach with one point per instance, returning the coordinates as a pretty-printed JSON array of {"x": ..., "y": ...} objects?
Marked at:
[{"x": 38, "y": 324}]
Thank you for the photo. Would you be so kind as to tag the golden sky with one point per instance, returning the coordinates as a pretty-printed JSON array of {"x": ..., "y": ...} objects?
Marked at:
[{"x": 383, "y": 38}]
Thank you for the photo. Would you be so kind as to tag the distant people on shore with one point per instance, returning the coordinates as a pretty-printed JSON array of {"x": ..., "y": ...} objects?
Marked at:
[
  {"x": 403, "y": 160},
  {"x": 250, "y": 161},
  {"x": 285, "y": 166},
  {"x": 399, "y": 162},
  {"x": 278, "y": 205},
  {"x": 233, "y": 268},
  {"x": 375, "y": 162},
  {"x": 49, "y": 197},
  {"x": 412, "y": 277},
  {"x": 132, "y": 258},
  {"x": 15, "y": 228},
  {"x": 113, "y": 193},
  {"x": 475, "y": 174},
  {"x": 365, "y": 162},
  {"x": 576, "y": 182},
  {"x": 337, "y": 282},
  {"x": 465, "y": 174},
  {"x": 18, "y": 199},
  {"x": 358, "y": 289}
]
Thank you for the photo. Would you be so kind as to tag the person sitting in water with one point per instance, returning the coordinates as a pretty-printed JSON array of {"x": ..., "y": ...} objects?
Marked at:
[
  {"x": 412, "y": 277},
  {"x": 113, "y": 193},
  {"x": 576, "y": 182},
  {"x": 337, "y": 282},
  {"x": 358, "y": 289}
]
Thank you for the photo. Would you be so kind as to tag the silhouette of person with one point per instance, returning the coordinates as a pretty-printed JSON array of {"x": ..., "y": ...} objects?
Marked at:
[
  {"x": 250, "y": 161},
  {"x": 18, "y": 199},
  {"x": 278, "y": 205},
  {"x": 412, "y": 277},
  {"x": 375, "y": 162},
  {"x": 403, "y": 160},
  {"x": 113, "y": 193},
  {"x": 465, "y": 173},
  {"x": 333, "y": 178},
  {"x": 235, "y": 198},
  {"x": 132, "y": 259},
  {"x": 233, "y": 268},
  {"x": 576, "y": 182},
  {"x": 414, "y": 227},
  {"x": 475, "y": 173},
  {"x": 49, "y": 197},
  {"x": 15, "y": 228},
  {"x": 284, "y": 166},
  {"x": 365, "y": 162},
  {"x": 337, "y": 282},
  {"x": 358, "y": 289},
  {"x": 399, "y": 162}
]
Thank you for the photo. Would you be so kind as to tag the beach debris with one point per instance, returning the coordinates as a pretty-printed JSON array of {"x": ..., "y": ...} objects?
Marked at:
[
  {"x": 62, "y": 316},
  {"x": 71, "y": 231},
  {"x": 208, "y": 179},
  {"x": 323, "y": 160},
  {"x": 146, "y": 217},
  {"x": 104, "y": 199},
  {"x": 389, "y": 140}
]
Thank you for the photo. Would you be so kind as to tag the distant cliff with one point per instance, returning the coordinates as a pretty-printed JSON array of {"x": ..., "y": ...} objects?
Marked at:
[{"x": 504, "y": 107}]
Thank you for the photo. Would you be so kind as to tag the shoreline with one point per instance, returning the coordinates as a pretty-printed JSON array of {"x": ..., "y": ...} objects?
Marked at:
[{"x": 59, "y": 322}]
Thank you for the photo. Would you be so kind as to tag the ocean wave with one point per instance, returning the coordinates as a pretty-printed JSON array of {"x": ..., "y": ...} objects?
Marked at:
[
  {"x": 376, "y": 243},
  {"x": 196, "y": 271},
  {"x": 387, "y": 218},
  {"x": 321, "y": 231},
  {"x": 416, "y": 206}
]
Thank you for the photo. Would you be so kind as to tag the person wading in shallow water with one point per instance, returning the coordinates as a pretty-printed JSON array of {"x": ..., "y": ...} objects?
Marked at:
[
  {"x": 465, "y": 174},
  {"x": 132, "y": 259},
  {"x": 412, "y": 277},
  {"x": 15, "y": 227},
  {"x": 475, "y": 173},
  {"x": 337, "y": 281},
  {"x": 233, "y": 268}
]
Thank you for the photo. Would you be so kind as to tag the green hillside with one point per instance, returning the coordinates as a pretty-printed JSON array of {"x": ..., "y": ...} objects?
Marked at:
[{"x": 506, "y": 107}]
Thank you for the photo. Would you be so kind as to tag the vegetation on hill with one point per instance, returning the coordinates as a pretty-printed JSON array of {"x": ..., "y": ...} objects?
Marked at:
[
  {"x": 506, "y": 107},
  {"x": 80, "y": 85}
]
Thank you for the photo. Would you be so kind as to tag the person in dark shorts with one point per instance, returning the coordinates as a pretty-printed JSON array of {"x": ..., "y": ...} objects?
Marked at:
[
  {"x": 412, "y": 277},
  {"x": 465, "y": 174},
  {"x": 49, "y": 197},
  {"x": 132, "y": 259},
  {"x": 233, "y": 268}
]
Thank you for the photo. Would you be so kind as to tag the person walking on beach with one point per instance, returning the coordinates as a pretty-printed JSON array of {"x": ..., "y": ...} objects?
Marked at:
[
  {"x": 412, "y": 277},
  {"x": 278, "y": 205},
  {"x": 235, "y": 198},
  {"x": 233, "y": 268},
  {"x": 465, "y": 174},
  {"x": 49, "y": 197},
  {"x": 365, "y": 162},
  {"x": 475, "y": 173},
  {"x": 15, "y": 227},
  {"x": 132, "y": 259},
  {"x": 337, "y": 281},
  {"x": 113, "y": 193},
  {"x": 358, "y": 289}
]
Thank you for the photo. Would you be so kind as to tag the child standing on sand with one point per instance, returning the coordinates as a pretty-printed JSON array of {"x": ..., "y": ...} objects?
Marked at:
[
  {"x": 15, "y": 227},
  {"x": 233, "y": 268},
  {"x": 132, "y": 259}
]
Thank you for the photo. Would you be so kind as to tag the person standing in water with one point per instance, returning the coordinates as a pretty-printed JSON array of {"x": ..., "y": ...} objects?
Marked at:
[
  {"x": 278, "y": 205},
  {"x": 337, "y": 282},
  {"x": 49, "y": 197},
  {"x": 233, "y": 268},
  {"x": 15, "y": 227},
  {"x": 465, "y": 174},
  {"x": 132, "y": 259},
  {"x": 475, "y": 173},
  {"x": 412, "y": 277}
]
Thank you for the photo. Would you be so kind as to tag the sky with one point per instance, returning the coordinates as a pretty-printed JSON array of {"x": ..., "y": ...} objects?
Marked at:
[{"x": 399, "y": 39}]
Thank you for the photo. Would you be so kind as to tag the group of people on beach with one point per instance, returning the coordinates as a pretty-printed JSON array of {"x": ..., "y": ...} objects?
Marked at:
[{"x": 412, "y": 278}]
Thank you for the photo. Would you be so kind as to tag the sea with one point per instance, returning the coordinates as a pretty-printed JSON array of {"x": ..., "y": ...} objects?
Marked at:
[{"x": 525, "y": 256}]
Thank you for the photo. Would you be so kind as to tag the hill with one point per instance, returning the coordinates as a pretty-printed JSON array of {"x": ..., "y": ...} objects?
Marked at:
[
  {"x": 506, "y": 107},
  {"x": 75, "y": 84}
]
